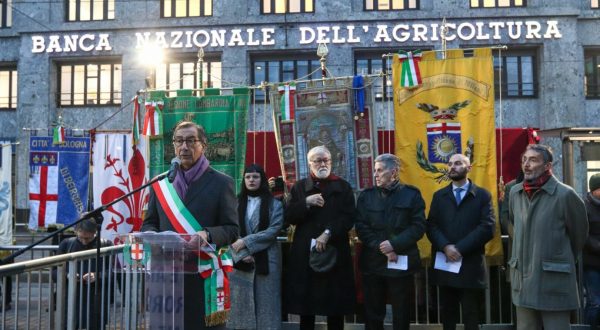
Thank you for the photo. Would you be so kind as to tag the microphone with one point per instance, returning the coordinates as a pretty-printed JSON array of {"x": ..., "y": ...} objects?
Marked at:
[{"x": 175, "y": 162}]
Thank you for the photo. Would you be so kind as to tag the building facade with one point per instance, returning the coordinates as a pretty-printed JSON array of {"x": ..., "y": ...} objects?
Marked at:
[{"x": 80, "y": 59}]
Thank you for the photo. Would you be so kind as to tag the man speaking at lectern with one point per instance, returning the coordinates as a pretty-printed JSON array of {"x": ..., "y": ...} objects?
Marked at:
[{"x": 201, "y": 201}]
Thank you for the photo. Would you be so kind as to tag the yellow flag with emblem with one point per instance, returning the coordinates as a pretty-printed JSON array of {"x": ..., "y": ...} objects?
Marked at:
[{"x": 451, "y": 111}]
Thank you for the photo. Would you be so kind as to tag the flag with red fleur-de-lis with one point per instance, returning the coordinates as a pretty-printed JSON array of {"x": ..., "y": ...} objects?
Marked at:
[{"x": 119, "y": 167}]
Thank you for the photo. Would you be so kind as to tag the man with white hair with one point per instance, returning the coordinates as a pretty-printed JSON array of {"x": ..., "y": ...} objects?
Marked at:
[
  {"x": 390, "y": 222},
  {"x": 322, "y": 209}
]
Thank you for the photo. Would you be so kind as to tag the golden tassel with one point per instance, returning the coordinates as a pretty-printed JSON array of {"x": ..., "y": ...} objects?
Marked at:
[{"x": 216, "y": 318}]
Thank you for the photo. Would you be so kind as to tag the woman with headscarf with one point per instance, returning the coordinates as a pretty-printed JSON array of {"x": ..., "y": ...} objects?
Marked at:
[{"x": 256, "y": 280}]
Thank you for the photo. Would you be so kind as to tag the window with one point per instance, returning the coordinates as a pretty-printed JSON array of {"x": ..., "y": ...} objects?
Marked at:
[
  {"x": 595, "y": 4},
  {"x": 5, "y": 13},
  {"x": 282, "y": 70},
  {"x": 391, "y": 4},
  {"x": 97, "y": 83},
  {"x": 182, "y": 73},
  {"x": 287, "y": 6},
  {"x": 90, "y": 10},
  {"x": 592, "y": 72},
  {"x": 8, "y": 88},
  {"x": 374, "y": 63},
  {"x": 498, "y": 3},
  {"x": 518, "y": 73},
  {"x": 186, "y": 8}
]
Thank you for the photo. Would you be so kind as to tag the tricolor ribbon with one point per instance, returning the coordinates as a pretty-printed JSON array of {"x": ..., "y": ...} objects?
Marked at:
[
  {"x": 287, "y": 92},
  {"x": 153, "y": 125},
  {"x": 58, "y": 136},
  {"x": 135, "y": 129},
  {"x": 410, "y": 75}
]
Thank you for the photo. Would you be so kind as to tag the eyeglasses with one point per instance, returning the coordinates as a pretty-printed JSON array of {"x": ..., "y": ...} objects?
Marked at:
[
  {"x": 188, "y": 142},
  {"x": 319, "y": 161}
]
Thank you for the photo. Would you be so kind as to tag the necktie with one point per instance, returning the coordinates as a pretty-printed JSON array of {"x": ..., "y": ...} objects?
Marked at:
[{"x": 457, "y": 192}]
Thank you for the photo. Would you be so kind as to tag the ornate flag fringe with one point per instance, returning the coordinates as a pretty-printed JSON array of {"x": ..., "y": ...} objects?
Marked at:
[
  {"x": 213, "y": 267},
  {"x": 287, "y": 92},
  {"x": 410, "y": 75},
  {"x": 153, "y": 125}
]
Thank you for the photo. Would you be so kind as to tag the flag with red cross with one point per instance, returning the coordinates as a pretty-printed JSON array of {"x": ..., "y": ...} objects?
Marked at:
[{"x": 58, "y": 181}]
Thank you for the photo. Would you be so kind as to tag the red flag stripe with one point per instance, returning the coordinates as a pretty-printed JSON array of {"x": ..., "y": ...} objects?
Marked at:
[{"x": 43, "y": 196}]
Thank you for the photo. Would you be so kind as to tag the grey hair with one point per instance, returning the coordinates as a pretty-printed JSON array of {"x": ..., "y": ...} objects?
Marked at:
[
  {"x": 544, "y": 150},
  {"x": 390, "y": 161},
  {"x": 317, "y": 150}
]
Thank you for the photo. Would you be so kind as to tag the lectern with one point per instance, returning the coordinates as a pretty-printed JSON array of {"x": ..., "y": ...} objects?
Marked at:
[{"x": 162, "y": 260}]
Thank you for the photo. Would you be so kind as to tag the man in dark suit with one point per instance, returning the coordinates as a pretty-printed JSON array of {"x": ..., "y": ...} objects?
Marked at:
[
  {"x": 209, "y": 197},
  {"x": 460, "y": 223}
]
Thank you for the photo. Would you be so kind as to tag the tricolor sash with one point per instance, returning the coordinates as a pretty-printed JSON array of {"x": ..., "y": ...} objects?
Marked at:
[{"x": 212, "y": 267}]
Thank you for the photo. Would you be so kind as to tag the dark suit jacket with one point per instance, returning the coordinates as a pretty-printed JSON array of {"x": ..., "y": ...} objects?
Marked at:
[
  {"x": 469, "y": 226},
  {"x": 211, "y": 200}
]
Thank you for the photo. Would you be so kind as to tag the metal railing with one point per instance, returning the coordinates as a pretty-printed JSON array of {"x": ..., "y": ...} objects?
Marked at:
[
  {"x": 52, "y": 292},
  {"x": 49, "y": 293}
]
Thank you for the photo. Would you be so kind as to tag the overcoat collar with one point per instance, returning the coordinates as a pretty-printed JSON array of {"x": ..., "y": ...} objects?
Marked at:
[
  {"x": 549, "y": 187},
  {"x": 332, "y": 186}
]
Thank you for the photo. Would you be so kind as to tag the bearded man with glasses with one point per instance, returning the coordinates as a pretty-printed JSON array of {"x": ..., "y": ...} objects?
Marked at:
[
  {"x": 209, "y": 197},
  {"x": 322, "y": 208}
]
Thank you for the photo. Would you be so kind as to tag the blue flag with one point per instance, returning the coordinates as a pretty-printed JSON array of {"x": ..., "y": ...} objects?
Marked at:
[{"x": 58, "y": 184}]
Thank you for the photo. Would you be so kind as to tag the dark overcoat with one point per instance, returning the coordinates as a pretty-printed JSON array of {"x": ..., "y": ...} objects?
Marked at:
[
  {"x": 591, "y": 250},
  {"x": 398, "y": 217},
  {"x": 308, "y": 292},
  {"x": 211, "y": 200},
  {"x": 469, "y": 226},
  {"x": 84, "y": 293}
]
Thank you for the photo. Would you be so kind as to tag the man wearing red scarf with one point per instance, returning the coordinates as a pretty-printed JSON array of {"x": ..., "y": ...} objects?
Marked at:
[
  {"x": 322, "y": 208},
  {"x": 550, "y": 229}
]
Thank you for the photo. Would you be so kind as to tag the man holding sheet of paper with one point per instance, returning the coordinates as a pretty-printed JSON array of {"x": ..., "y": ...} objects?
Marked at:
[
  {"x": 461, "y": 221},
  {"x": 390, "y": 221}
]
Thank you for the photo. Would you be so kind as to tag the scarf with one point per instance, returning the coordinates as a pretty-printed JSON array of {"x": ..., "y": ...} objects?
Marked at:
[
  {"x": 185, "y": 177},
  {"x": 261, "y": 258},
  {"x": 386, "y": 191},
  {"x": 534, "y": 185},
  {"x": 322, "y": 183}
]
